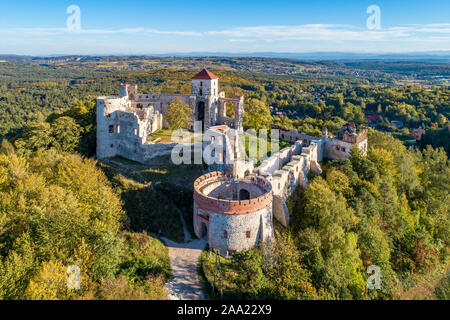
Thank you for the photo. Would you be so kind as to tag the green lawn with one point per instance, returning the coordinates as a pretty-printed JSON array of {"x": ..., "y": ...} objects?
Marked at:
[{"x": 165, "y": 136}]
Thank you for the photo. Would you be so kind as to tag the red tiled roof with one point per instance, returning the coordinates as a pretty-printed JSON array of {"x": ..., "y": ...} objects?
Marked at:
[
  {"x": 374, "y": 117},
  {"x": 205, "y": 75}
]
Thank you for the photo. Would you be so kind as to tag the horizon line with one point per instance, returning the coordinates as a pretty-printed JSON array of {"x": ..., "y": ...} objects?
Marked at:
[{"x": 225, "y": 53}]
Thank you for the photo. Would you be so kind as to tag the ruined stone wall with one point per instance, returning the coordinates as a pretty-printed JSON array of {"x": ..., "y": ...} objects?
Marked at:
[
  {"x": 238, "y": 104},
  {"x": 336, "y": 149},
  {"x": 234, "y": 233},
  {"x": 107, "y": 124},
  {"x": 161, "y": 102},
  {"x": 289, "y": 169},
  {"x": 142, "y": 114},
  {"x": 278, "y": 159}
]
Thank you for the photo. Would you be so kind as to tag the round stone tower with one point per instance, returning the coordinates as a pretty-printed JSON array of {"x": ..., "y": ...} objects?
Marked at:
[{"x": 232, "y": 214}]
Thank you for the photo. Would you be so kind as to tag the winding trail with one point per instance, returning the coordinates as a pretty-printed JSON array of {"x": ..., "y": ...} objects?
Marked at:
[{"x": 184, "y": 258}]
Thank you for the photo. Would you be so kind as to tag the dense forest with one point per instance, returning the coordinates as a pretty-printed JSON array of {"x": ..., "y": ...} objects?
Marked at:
[{"x": 59, "y": 207}]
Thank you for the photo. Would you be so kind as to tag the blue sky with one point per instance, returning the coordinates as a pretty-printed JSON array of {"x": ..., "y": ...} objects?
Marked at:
[{"x": 152, "y": 27}]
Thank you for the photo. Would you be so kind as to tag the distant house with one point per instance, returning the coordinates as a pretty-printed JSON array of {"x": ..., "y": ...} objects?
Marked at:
[
  {"x": 397, "y": 124},
  {"x": 373, "y": 119},
  {"x": 281, "y": 114},
  {"x": 417, "y": 133}
]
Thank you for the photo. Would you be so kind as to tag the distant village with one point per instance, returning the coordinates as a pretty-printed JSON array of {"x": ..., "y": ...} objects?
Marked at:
[{"x": 373, "y": 120}]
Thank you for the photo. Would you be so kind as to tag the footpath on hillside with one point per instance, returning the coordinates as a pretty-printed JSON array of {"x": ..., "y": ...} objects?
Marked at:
[{"x": 184, "y": 258}]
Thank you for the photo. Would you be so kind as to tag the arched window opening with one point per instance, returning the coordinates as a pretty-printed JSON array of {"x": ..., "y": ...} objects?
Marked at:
[
  {"x": 201, "y": 113},
  {"x": 244, "y": 195}
]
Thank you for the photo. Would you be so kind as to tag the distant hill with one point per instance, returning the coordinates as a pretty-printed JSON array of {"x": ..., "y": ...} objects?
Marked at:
[{"x": 431, "y": 56}]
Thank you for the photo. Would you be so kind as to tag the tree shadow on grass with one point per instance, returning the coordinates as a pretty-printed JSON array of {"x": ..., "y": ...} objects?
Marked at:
[
  {"x": 159, "y": 194},
  {"x": 148, "y": 211}
]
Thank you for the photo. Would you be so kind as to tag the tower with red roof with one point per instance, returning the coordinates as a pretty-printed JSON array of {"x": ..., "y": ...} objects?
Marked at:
[{"x": 205, "y": 86}]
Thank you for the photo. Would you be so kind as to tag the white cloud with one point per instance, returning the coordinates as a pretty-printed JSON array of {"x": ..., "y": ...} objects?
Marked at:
[
  {"x": 62, "y": 31},
  {"x": 323, "y": 32},
  {"x": 307, "y": 37}
]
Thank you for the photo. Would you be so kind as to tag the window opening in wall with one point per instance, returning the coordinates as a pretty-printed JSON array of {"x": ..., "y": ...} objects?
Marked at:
[
  {"x": 248, "y": 234},
  {"x": 117, "y": 129},
  {"x": 230, "y": 253},
  {"x": 135, "y": 131},
  {"x": 244, "y": 195},
  {"x": 225, "y": 234},
  {"x": 111, "y": 129}
]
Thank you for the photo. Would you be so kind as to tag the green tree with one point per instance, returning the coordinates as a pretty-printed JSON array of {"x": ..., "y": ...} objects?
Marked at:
[
  {"x": 252, "y": 281},
  {"x": 257, "y": 115},
  {"x": 180, "y": 115},
  {"x": 289, "y": 278},
  {"x": 66, "y": 134}
]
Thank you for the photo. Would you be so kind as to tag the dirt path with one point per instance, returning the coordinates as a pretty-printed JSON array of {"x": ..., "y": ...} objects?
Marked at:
[
  {"x": 425, "y": 289},
  {"x": 183, "y": 260}
]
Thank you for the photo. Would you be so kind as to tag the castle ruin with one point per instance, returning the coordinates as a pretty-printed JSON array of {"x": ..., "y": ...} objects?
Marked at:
[
  {"x": 235, "y": 204},
  {"x": 125, "y": 123}
]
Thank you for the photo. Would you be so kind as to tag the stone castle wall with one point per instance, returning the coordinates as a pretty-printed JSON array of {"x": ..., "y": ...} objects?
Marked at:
[
  {"x": 290, "y": 167},
  {"x": 135, "y": 116}
]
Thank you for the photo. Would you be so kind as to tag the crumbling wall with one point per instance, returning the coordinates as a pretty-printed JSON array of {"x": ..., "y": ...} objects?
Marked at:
[{"x": 296, "y": 161}]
